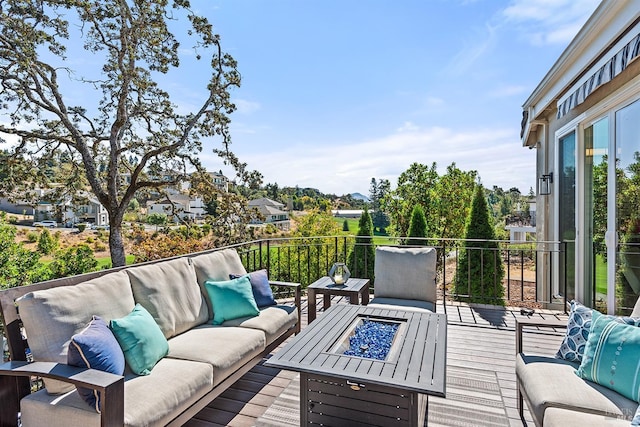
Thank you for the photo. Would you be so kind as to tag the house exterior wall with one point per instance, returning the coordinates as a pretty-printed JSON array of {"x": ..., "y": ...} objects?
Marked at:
[{"x": 612, "y": 25}]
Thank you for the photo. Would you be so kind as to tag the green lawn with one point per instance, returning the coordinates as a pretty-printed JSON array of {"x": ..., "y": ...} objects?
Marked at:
[
  {"x": 378, "y": 238},
  {"x": 601, "y": 275},
  {"x": 106, "y": 262}
]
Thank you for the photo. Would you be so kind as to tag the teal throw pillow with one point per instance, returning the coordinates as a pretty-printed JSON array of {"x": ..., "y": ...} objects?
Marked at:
[
  {"x": 141, "y": 340},
  {"x": 612, "y": 356},
  {"x": 577, "y": 332},
  {"x": 231, "y": 299}
]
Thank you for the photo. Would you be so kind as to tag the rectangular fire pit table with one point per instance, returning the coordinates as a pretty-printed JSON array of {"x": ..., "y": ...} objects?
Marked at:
[{"x": 339, "y": 389}]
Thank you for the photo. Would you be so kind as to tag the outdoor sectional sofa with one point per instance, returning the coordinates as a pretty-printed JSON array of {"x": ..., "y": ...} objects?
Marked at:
[
  {"x": 201, "y": 361},
  {"x": 557, "y": 396}
]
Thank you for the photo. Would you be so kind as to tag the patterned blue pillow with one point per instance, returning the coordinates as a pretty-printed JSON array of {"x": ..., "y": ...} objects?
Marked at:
[
  {"x": 575, "y": 339},
  {"x": 578, "y": 327},
  {"x": 95, "y": 347}
]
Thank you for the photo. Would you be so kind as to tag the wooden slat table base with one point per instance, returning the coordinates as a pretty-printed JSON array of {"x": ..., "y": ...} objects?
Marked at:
[{"x": 338, "y": 402}]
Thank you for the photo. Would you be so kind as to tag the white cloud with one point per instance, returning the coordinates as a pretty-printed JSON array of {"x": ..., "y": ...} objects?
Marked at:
[
  {"x": 347, "y": 166},
  {"x": 246, "y": 107},
  {"x": 473, "y": 50},
  {"x": 545, "y": 22},
  {"x": 408, "y": 127}
]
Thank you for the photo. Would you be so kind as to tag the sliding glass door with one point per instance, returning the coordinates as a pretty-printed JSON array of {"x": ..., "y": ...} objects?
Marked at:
[
  {"x": 624, "y": 237},
  {"x": 596, "y": 150},
  {"x": 567, "y": 212}
]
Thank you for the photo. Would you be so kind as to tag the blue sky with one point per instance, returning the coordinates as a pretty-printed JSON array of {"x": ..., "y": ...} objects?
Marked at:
[{"x": 336, "y": 92}]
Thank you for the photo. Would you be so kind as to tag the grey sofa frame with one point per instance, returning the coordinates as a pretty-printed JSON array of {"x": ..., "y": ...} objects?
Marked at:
[{"x": 15, "y": 375}]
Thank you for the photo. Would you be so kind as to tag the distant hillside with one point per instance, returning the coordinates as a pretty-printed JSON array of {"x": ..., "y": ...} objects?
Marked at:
[{"x": 359, "y": 196}]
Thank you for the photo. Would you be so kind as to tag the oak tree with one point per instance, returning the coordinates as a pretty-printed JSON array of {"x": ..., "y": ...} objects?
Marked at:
[{"x": 85, "y": 102}]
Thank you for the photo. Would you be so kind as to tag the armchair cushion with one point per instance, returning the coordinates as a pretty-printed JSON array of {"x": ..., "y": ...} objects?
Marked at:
[{"x": 405, "y": 273}]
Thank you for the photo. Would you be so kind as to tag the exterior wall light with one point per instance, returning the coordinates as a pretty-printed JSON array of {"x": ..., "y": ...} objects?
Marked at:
[{"x": 544, "y": 188}]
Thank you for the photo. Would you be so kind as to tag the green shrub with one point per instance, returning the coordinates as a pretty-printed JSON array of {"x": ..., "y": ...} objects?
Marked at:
[
  {"x": 32, "y": 236},
  {"x": 480, "y": 270},
  {"x": 47, "y": 243}
]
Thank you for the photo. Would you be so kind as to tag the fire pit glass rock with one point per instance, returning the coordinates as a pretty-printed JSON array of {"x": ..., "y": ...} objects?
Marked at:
[{"x": 371, "y": 339}]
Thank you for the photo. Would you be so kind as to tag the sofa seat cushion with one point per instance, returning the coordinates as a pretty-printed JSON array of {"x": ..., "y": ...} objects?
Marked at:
[
  {"x": 151, "y": 400},
  {"x": 273, "y": 321},
  {"x": 52, "y": 316},
  {"x": 224, "y": 348},
  {"x": 403, "y": 304},
  {"x": 558, "y": 417},
  {"x": 552, "y": 383},
  {"x": 169, "y": 291}
]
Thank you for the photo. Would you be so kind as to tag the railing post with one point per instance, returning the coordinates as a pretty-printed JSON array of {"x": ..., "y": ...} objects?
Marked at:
[
  {"x": 260, "y": 253},
  {"x": 268, "y": 256}
]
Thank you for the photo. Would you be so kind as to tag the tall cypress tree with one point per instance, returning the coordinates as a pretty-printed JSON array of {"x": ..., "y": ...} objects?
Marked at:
[
  {"x": 480, "y": 270},
  {"x": 417, "y": 227},
  {"x": 361, "y": 259}
]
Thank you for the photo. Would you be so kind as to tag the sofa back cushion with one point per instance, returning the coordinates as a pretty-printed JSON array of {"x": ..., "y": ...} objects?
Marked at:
[
  {"x": 405, "y": 273},
  {"x": 169, "y": 291},
  {"x": 217, "y": 266},
  {"x": 52, "y": 316}
]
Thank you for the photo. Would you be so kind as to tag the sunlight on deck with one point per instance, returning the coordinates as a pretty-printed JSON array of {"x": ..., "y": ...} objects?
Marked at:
[{"x": 480, "y": 346}]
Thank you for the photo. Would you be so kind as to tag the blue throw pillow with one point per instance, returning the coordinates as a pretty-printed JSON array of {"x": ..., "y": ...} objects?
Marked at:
[
  {"x": 612, "y": 356},
  {"x": 95, "y": 347},
  {"x": 231, "y": 299},
  {"x": 260, "y": 287},
  {"x": 141, "y": 340},
  {"x": 578, "y": 326}
]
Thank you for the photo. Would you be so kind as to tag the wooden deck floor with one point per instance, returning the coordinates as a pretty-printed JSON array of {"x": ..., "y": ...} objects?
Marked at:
[{"x": 478, "y": 337}]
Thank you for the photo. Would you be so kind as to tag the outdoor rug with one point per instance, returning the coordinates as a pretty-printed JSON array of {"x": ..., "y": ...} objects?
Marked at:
[{"x": 473, "y": 400}]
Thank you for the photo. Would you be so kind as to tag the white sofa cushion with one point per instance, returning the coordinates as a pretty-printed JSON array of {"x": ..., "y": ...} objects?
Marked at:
[
  {"x": 405, "y": 273},
  {"x": 52, "y": 316},
  {"x": 170, "y": 293},
  {"x": 224, "y": 348},
  {"x": 216, "y": 266},
  {"x": 273, "y": 321},
  {"x": 151, "y": 400}
]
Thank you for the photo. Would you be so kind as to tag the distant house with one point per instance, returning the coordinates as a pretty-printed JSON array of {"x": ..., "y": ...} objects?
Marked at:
[
  {"x": 220, "y": 181},
  {"x": 347, "y": 213},
  {"x": 183, "y": 206},
  {"x": 90, "y": 211},
  {"x": 272, "y": 212},
  {"x": 69, "y": 212}
]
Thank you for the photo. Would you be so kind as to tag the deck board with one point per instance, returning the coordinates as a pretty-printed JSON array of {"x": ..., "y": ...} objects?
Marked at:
[{"x": 479, "y": 337}]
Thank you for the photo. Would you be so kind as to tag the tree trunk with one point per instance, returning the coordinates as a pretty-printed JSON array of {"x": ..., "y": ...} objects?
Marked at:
[{"x": 116, "y": 246}]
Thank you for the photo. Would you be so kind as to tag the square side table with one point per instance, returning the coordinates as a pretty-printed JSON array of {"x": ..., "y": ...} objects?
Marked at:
[{"x": 354, "y": 288}]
